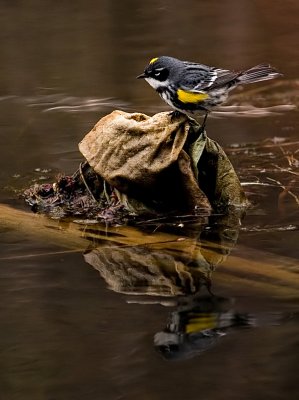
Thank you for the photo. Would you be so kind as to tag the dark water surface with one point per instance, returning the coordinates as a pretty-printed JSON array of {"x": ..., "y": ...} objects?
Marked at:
[{"x": 112, "y": 323}]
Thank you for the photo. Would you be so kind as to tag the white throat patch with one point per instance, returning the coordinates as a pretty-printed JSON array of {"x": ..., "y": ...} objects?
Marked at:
[{"x": 156, "y": 84}]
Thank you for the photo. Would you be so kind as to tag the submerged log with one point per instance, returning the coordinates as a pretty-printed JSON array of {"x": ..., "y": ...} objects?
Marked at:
[{"x": 266, "y": 274}]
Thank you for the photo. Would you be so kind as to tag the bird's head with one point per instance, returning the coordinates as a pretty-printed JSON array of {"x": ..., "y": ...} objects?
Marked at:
[{"x": 159, "y": 70}]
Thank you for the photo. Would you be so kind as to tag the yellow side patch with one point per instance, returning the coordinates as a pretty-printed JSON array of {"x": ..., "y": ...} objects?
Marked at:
[
  {"x": 153, "y": 60},
  {"x": 200, "y": 324},
  {"x": 190, "y": 97}
]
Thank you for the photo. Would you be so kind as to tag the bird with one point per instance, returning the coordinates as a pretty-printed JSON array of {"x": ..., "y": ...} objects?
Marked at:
[{"x": 191, "y": 88}]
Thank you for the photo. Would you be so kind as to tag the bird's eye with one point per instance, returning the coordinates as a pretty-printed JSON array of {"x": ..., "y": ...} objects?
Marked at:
[{"x": 160, "y": 73}]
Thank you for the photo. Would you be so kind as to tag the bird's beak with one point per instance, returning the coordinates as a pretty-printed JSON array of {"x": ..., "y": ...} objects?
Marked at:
[{"x": 141, "y": 76}]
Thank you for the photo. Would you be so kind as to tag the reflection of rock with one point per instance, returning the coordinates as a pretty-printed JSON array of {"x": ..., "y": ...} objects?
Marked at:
[
  {"x": 140, "y": 270},
  {"x": 165, "y": 265}
]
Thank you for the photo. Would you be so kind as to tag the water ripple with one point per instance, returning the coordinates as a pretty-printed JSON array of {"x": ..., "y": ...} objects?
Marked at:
[{"x": 70, "y": 104}]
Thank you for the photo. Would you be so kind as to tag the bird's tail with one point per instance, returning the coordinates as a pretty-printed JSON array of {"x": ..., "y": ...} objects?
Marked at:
[{"x": 261, "y": 72}]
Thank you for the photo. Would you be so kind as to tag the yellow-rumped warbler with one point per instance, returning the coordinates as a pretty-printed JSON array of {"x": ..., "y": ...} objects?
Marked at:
[{"x": 191, "y": 88}]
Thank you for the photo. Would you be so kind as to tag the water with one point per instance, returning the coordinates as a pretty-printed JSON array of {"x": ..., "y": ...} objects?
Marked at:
[{"x": 70, "y": 329}]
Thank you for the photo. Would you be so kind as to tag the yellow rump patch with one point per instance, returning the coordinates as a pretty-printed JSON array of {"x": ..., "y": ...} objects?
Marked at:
[
  {"x": 153, "y": 60},
  {"x": 190, "y": 97}
]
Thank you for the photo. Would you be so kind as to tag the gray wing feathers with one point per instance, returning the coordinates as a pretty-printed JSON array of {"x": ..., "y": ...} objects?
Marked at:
[{"x": 201, "y": 78}]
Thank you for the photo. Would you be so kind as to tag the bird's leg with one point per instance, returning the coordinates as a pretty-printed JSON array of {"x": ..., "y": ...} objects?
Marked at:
[
  {"x": 175, "y": 114},
  {"x": 203, "y": 125}
]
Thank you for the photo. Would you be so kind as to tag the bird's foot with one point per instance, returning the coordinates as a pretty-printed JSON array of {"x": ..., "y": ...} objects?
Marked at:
[
  {"x": 202, "y": 132},
  {"x": 202, "y": 129}
]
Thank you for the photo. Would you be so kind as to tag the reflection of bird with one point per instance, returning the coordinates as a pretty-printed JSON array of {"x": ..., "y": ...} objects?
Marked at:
[
  {"x": 196, "y": 327},
  {"x": 190, "y": 88}
]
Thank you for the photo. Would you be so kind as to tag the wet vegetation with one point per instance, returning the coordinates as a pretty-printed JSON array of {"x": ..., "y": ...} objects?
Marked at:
[{"x": 269, "y": 170}]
